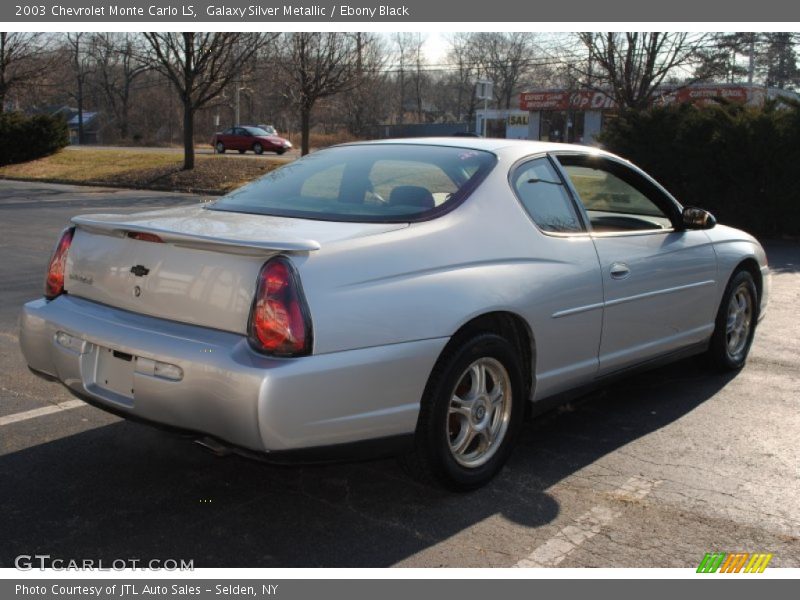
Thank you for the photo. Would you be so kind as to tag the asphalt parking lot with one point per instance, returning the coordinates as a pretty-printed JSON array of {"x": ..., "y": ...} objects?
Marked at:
[{"x": 654, "y": 471}]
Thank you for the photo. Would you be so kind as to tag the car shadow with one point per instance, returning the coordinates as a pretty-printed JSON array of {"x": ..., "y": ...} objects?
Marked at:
[
  {"x": 128, "y": 491},
  {"x": 783, "y": 256}
]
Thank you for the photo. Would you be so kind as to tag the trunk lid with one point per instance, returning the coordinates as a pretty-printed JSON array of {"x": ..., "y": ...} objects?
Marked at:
[{"x": 205, "y": 270}]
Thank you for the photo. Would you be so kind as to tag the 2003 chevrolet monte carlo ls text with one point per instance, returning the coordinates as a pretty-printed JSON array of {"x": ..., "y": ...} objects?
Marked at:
[{"x": 416, "y": 297}]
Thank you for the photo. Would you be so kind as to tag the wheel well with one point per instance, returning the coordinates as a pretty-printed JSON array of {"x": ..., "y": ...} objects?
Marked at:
[
  {"x": 750, "y": 265},
  {"x": 513, "y": 328}
]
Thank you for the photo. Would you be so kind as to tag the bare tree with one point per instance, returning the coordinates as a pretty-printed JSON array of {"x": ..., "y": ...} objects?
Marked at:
[
  {"x": 465, "y": 76},
  {"x": 199, "y": 66},
  {"x": 504, "y": 58},
  {"x": 631, "y": 65},
  {"x": 23, "y": 58},
  {"x": 418, "y": 77},
  {"x": 318, "y": 65},
  {"x": 119, "y": 63},
  {"x": 364, "y": 107},
  {"x": 82, "y": 65}
]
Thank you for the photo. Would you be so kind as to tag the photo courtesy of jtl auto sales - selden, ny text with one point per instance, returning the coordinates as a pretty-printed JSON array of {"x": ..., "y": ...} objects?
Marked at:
[{"x": 316, "y": 301}]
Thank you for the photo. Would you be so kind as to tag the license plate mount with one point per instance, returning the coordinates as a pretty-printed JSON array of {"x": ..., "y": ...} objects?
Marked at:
[{"x": 114, "y": 372}]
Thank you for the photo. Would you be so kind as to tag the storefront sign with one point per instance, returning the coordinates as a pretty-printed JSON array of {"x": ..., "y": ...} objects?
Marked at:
[
  {"x": 594, "y": 100},
  {"x": 565, "y": 100}
]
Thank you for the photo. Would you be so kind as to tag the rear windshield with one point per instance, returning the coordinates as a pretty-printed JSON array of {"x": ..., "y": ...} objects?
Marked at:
[{"x": 375, "y": 182}]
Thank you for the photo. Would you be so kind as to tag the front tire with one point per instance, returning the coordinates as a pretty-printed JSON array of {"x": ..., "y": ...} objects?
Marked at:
[
  {"x": 470, "y": 415},
  {"x": 736, "y": 322}
]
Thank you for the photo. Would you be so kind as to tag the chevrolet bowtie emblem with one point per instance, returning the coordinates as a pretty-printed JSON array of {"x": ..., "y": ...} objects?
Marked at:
[{"x": 140, "y": 270}]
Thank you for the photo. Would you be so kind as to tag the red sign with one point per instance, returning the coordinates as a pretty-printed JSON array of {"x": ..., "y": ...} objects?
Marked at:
[
  {"x": 593, "y": 100},
  {"x": 707, "y": 95},
  {"x": 565, "y": 100}
]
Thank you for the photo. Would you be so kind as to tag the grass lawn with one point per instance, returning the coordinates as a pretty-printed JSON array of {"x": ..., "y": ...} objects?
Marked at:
[{"x": 150, "y": 169}]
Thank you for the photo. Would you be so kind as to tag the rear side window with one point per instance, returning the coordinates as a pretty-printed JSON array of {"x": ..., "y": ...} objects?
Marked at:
[
  {"x": 545, "y": 198},
  {"x": 369, "y": 182}
]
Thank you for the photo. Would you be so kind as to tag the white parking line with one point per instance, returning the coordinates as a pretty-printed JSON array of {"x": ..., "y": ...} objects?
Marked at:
[
  {"x": 588, "y": 525},
  {"x": 40, "y": 412},
  {"x": 635, "y": 488}
]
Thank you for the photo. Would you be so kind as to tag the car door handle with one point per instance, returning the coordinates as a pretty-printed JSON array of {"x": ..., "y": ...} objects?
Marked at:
[{"x": 619, "y": 270}]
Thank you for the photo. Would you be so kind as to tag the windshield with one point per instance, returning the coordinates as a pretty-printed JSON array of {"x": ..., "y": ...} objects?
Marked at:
[
  {"x": 369, "y": 182},
  {"x": 256, "y": 131}
]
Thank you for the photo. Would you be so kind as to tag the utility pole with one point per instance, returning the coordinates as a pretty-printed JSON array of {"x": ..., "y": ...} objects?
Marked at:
[
  {"x": 236, "y": 95},
  {"x": 484, "y": 92},
  {"x": 751, "y": 69}
]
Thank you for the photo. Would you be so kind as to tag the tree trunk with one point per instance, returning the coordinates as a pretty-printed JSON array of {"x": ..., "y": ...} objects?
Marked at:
[
  {"x": 188, "y": 135},
  {"x": 80, "y": 112},
  {"x": 305, "y": 128},
  {"x": 123, "y": 122},
  {"x": 3, "y": 89}
]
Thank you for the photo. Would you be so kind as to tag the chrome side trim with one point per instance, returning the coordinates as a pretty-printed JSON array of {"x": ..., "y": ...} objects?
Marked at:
[
  {"x": 671, "y": 290},
  {"x": 580, "y": 309}
]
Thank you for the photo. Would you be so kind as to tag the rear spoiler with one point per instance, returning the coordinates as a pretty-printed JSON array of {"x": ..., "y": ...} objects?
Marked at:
[{"x": 202, "y": 242}]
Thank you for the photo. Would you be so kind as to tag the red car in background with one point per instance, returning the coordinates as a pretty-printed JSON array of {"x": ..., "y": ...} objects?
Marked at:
[{"x": 249, "y": 138}]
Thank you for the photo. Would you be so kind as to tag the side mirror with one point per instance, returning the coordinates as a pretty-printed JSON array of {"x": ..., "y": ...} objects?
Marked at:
[{"x": 697, "y": 218}]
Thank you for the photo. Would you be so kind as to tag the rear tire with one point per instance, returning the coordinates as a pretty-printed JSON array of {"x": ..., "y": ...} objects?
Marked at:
[
  {"x": 242, "y": 151},
  {"x": 736, "y": 322},
  {"x": 258, "y": 148},
  {"x": 220, "y": 148},
  {"x": 470, "y": 414}
]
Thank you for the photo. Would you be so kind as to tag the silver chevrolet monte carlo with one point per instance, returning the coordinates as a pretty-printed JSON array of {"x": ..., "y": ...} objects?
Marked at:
[{"x": 416, "y": 297}]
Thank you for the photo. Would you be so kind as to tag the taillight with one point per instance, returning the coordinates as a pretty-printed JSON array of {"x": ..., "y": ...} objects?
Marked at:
[
  {"x": 279, "y": 320},
  {"x": 54, "y": 284}
]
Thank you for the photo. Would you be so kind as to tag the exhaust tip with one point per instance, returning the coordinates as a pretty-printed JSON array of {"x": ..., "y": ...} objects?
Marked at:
[{"x": 215, "y": 447}]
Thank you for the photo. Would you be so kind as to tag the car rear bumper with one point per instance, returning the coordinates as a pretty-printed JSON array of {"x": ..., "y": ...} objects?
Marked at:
[{"x": 221, "y": 387}]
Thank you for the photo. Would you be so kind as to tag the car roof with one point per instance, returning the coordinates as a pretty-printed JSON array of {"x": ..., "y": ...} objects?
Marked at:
[{"x": 522, "y": 147}]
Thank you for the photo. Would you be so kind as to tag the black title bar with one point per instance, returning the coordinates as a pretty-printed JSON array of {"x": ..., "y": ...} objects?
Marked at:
[{"x": 410, "y": 11}]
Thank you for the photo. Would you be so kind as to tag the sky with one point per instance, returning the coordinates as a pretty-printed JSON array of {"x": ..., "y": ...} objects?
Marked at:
[{"x": 435, "y": 47}]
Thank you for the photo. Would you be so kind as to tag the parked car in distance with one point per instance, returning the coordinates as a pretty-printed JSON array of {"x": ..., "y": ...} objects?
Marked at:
[
  {"x": 246, "y": 138},
  {"x": 414, "y": 297}
]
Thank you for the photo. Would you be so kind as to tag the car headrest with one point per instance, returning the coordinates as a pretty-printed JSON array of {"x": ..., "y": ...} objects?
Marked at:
[{"x": 412, "y": 195}]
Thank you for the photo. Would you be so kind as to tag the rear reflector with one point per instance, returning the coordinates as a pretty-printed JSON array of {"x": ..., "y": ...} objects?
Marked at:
[{"x": 54, "y": 283}]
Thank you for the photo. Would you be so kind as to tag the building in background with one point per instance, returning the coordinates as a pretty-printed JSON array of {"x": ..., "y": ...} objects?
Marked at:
[
  {"x": 511, "y": 124},
  {"x": 578, "y": 116}
]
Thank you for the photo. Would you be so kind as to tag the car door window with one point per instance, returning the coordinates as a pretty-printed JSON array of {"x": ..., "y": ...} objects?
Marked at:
[
  {"x": 545, "y": 197},
  {"x": 616, "y": 198}
]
